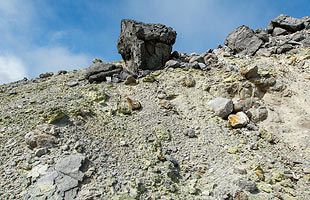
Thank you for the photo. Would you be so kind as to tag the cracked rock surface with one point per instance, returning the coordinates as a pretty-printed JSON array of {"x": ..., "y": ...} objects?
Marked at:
[{"x": 58, "y": 182}]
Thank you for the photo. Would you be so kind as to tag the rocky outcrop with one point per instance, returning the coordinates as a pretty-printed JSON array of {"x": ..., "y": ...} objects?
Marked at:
[
  {"x": 243, "y": 40},
  {"x": 287, "y": 23},
  {"x": 283, "y": 34},
  {"x": 145, "y": 46}
]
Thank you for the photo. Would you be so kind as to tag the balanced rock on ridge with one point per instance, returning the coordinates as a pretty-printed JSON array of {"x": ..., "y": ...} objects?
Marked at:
[{"x": 145, "y": 46}]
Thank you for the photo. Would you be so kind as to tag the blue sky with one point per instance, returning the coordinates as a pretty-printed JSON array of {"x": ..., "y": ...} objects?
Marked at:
[{"x": 38, "y": 36}]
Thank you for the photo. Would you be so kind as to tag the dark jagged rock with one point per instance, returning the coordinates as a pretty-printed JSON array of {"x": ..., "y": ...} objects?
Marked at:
[
  {"x": 243, "y": 40},
  {"x": 145, "y": 46},
  {"x": 46, "y": 75},
  {"x": 283, "y": 34},
  {"x": 288, "y": 23}
]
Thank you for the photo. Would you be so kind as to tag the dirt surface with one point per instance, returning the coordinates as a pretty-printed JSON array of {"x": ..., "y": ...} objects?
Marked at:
[{"x": 159, "y": 139}]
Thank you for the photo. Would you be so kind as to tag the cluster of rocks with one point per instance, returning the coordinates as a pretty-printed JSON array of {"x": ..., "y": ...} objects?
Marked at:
[
  {"x": 283, "y": 34},
  {"x": 157, "y": 139},
  {"x": 61, "y": 181},
  {"x": 245, "y": 106},
  {"x": 146, "y": 47}
]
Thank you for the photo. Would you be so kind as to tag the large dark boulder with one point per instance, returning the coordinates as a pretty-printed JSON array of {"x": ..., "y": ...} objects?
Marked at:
[
  {"x": 287, "y": 23},
  {"x": 244, "y": 41},
  {"x": 145, "y": 46}
]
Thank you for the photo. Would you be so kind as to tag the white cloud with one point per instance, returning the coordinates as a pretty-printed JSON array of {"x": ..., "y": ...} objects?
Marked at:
[
  {"x": 11, "y": 69},
  {"x": 20, "y": 25},
  {"x": 44, "y": 59}
]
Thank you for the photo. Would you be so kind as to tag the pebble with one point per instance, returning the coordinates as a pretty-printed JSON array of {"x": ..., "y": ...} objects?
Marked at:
[
  {"x": 41, "y": 151},
  {"x": 72, "y": 83},
  {"x": 130, "y": 80},
  {"x": 238, "y": 120},
  {"x": 172, "y": 64},
  {"x": 190, "y": 133},
  {"x": 249, "y": 186},
  {"x": 134, "y": 104},
  {"x": 249, "y": 72},
  {"x": 188, "y": 81}
]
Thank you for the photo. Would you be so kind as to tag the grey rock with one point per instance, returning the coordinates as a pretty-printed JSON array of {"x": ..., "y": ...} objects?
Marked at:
[
  {"x": 203, "y": 66},
  {"x": 243, "y": 40},
  {"x": 72, "y": 83},
  {"x": 198, "y": 59},
  {"x": 66, "y": 183},
  {"x": 98, "y": 71},
  {"x": 97, "y": 60},
  {"x": 210, "y": 59},
  {"x": 145, "y": 46},
  {"x": 249, "y": 72},
  {"x": 36, "y": 140},
  {"x": 252, "y": 127},
  {"x": 71, "y": 165},
  {"x": 45, "y": 185},
  {"x": 194, "y": 65},
  {"x": 172, "y": 64},
  {"x": 297, "y": 37},
  {"x": 284, "y": 48},
  {"x": 221, "y": 106},
  {"x": 71, "y": 194},
  {"x": 249, "y": 186},
  {"x": 123, "y": 75},
  {"x": 288, "y": 23},
  {"x": 130, "y": 80},
  {"x": 37, "y": 171},
  {"x": 262, "y": 34},
  {"x": 264, "y": 52},
  {"x": 61, "y": 182},
  {"x": 60, "y": 72},
  {"x": 279, "y": 31},
  {"x": 238, "y": 105},
  {"x": 173, "y": 161},
  {"x": 41, "y": 151},
  {"x": 240, "y": 170},
  {"x": 190, "y": 133},
  {"x": 46, "y": 75},
  {"x": 258, "y": 114},
  {"x": 306, "y": 42}
]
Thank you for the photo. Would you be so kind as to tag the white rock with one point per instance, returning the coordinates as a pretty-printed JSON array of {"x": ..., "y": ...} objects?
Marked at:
[
  {"x": 238, "y": 120},
  {"x": 221, "y": 106}
]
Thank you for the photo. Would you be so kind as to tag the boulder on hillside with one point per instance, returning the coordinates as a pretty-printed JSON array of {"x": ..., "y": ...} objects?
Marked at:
[
  {"x": 243, "y": 40},
  {"x": 145, "y": 46},
  {"x": 288, "y": 23}
]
